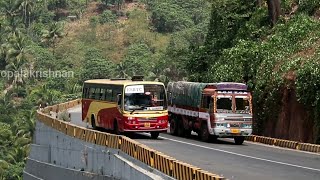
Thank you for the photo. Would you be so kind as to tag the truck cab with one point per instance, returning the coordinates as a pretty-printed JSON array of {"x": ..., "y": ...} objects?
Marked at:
[{"x": 228, "y": 113}]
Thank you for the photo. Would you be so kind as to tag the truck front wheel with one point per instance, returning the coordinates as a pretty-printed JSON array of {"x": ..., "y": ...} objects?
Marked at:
[
  {"x": 239, "y": 140},
  {"x": 204, "y": 133}
]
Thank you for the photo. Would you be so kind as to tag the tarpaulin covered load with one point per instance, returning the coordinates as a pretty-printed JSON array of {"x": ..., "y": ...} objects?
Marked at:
[{"x": 186, "y": 93}]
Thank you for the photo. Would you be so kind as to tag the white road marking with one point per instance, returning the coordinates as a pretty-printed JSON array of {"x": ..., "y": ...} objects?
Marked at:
[{"x": 242, "y": 155}]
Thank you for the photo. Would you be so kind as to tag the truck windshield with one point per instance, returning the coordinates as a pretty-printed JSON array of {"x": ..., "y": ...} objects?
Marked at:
[
  {"x": 224, "y": 104},
  {"x": 145, "y": 98},
  {"x": 242, "y": 105}
]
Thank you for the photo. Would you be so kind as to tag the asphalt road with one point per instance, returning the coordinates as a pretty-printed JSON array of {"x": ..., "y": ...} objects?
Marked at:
[{"x": 250, "y": 161}]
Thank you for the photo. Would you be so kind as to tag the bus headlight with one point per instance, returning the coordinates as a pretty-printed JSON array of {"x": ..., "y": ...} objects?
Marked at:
[{"x": 162, "y": 121}]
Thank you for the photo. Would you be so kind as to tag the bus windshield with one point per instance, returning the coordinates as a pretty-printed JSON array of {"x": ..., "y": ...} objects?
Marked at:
[{"x": 148, "y": 97}]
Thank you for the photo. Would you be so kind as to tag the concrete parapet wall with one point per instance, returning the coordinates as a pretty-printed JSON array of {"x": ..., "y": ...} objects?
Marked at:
[
  {"x": 36, "y": 170},
  {"x": 54, "y": 152}
]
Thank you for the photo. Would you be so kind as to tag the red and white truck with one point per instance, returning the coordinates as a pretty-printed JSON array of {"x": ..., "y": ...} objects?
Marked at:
[{"x": 212, "y": 110}]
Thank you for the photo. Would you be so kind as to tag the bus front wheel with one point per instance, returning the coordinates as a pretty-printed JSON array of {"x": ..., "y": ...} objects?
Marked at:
[
  {"x": 93, "y": 123},
  {"x": 154, "y": 135}
]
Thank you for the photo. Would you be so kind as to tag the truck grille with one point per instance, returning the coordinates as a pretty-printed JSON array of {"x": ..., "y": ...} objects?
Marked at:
[{"x": 233, "y": 125}]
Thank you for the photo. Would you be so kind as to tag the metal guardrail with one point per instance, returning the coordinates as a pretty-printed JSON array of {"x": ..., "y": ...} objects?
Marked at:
[
  {"x": 315, "y": 148},
  {"x": 153, "y": 158}
]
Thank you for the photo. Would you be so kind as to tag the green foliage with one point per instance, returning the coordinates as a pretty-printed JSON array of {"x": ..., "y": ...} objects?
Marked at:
[
  {"x": 94, "y": 20},
  {"x": 107, "y": 17},
  {"x": 227, "y": 19},
  {"x": 168, "y": 17},
  {"x": 137, "y": 61},
  {"x": 14, "y": 172},
  {"x": 308, "y": 90},
  {"x": 96, "y": 66},
  {"x": 44, "y": 15},
  {"x": 309, "y": 6},
  {"x": 51, "y": 35}
]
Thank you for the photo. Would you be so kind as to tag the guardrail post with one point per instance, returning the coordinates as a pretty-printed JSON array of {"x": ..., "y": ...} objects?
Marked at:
[{"x": 152, "y": 159}]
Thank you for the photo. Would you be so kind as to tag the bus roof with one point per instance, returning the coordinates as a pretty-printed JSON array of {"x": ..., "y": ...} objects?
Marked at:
[{"x": 119, "y": 82}]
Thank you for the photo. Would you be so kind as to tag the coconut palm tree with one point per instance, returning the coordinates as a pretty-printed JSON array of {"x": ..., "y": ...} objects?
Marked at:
[
  {"x": 121, "y": 70},
  {"x": 44, "y": 95},
  {"x": 6, "y": 104},
  {"x": 26, "y": 7},
  {"x": 53, "y": 34},
  {"x": 16, "y": 58},
  {"x": 10, "y": 8}
]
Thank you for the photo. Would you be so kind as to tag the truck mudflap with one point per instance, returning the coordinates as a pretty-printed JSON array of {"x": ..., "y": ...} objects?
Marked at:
[{"x": 228, "y": 132}]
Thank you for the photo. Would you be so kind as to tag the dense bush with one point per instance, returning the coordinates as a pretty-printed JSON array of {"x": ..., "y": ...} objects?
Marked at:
[{"x": 107, "y": 16}]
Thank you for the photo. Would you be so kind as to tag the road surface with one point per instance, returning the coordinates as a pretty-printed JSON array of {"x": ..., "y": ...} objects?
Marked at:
[{"x": 250, "y": 161}]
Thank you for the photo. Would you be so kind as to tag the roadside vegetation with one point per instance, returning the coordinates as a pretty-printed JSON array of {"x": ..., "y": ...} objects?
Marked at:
[{"x": 274, "y": 48}]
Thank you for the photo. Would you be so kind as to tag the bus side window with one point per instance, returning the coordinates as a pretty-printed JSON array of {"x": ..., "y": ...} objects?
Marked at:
[
  {"x": 114, "y": 95},
  {"x": 97, "y": 94},
  {"x": 84, "y": 92},
  {"x": 92, "y": 93},
  {"x": 108, "y": 95},
  {"x": 102, "y": 94}
]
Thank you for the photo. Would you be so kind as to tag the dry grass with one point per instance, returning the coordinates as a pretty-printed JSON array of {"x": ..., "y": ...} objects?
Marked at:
[{"x": 112, "y": 39}]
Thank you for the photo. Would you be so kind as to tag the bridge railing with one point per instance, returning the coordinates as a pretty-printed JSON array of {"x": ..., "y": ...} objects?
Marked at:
[
  {"x": 151, "y": 157},
  {"x": 285, "y": 143}
]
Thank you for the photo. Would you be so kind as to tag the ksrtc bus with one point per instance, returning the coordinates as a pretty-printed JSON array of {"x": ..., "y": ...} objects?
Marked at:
[{"x": 125, "y": 105}]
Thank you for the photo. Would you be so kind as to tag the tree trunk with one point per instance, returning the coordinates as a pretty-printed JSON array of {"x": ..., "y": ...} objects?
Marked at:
[{"x": 274, "y": 9}]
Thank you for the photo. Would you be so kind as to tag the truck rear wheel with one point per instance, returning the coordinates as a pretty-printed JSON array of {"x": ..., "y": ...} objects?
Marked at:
[
  {"x": 187, "y": 133},
  {"x": 173, "y": 126},
  {"x": 181, "y": 130},
  {"x": 239, "y": 140},
  {"x": 204, "y": 133}
]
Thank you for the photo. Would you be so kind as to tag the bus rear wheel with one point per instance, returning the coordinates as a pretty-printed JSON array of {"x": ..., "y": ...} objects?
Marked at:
[
  {"x": 154, "y": 135},
  {"x": 116, "y": 128}
]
